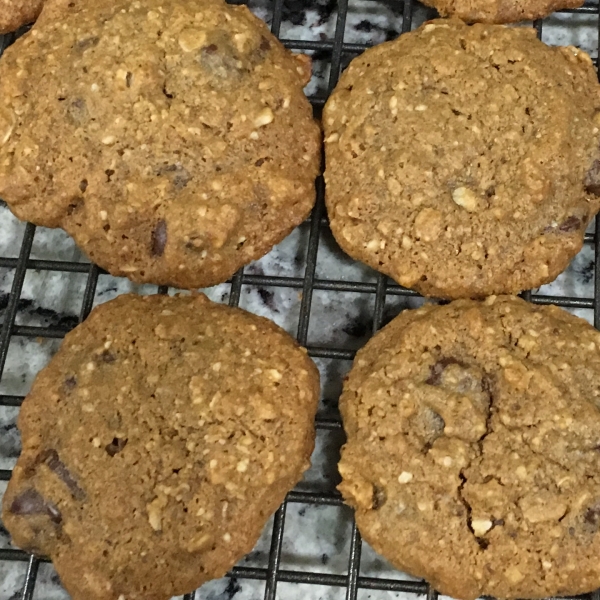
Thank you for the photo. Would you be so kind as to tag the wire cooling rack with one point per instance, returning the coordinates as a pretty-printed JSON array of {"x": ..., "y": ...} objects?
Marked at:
[{"x": 332, "y": 52}]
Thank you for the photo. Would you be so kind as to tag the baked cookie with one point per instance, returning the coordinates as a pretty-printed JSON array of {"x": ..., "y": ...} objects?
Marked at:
[
  {"x": 463, "y": 160},
  {"x": 172, "y": 140},
  {"x": 16, "y": 13},
  {"x": 500, "y": 11},
  {"x": 473, "y": 453},
  {"x": 157, "y": 443}
]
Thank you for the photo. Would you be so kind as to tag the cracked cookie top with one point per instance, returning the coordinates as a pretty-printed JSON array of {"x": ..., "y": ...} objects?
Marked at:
[
  {"x": 157, "y": 443},
  {"x": 473, "y": 452},
  {"x": 172, "y": 140},
  {"x": 462, "y": 161}
]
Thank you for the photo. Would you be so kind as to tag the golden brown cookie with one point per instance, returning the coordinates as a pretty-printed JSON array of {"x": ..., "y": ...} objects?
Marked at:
[
  {"x": 172, "y": 140},
  {"x": 16, "y": 13},
  {"x": 473, "y": 453},
  {"x": 500, "y": 11},
  {"x": 463, "y": 160},
  {"x": 157, "y": 443}
]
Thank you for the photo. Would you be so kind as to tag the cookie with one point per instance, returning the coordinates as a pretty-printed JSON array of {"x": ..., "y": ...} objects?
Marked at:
[
  {"x": 16, "y": 13},
  {"x": 500, "y": 11},
  {"x": 462, "y": 161},
  {"x": 172, "y": 141},
  {"x": 157, "y": 443},
  {"x": 473, "y": 452}
]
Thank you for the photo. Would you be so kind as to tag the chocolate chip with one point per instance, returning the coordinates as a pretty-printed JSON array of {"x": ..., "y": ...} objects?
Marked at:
[
  {"x": 128, "y": 79},
  {"x": 437, "y": 368},
  {"x": 265, "y": 44},
  {"x": 31, "y": 502},
  {"x": 70, "y": 382},
  {"x": 84, "y": 44},
  {"x": 592, "y": 515},
  {"x": 53, "y": 462},
  {"x": 379, "y": 498},
  {"x": 259, "y": 162},
  {"x": 592, "y": 179},
  {"x": 83, "y": 185},
  {"x": 115, "y": 446},
  {"x": 74, "y": 205},
  {"x": 573, "y": 223},
  {"x": 483, "y": 543},
  {"x": 107, "y": 357},
  {"x": 159, "y": 238}
]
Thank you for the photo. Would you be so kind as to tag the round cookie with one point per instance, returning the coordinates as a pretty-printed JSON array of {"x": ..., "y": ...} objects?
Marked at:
[
  {"x": 157, "y": 443},
  {"x": 462, "y": 161},
  {"x": 173, "y": 140},
  {"x": 500, "y": 11},
  {"x": 16, "y": 13},
  {"x": 473, "y": 452}
]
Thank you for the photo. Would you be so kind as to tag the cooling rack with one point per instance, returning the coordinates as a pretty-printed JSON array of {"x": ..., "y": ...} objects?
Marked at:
[{"x": 331, "y": 53}]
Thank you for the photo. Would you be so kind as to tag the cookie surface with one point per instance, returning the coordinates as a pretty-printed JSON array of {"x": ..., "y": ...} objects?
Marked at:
[
  {"x": 16, "y": 13},
  {"x": 172, "y": 141},
  {"x": 500, "y": 11},
  {"x": 473, "y": 448},
  {"x": 157, "y": 443},
  {"x": 462, "y": 160}
]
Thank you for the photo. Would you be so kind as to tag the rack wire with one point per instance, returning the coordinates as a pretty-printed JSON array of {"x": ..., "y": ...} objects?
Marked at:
[{"x": 337, "y": 53}]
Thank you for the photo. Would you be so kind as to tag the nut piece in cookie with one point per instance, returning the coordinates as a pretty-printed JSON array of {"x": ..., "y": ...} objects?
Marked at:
[
  {"x": 464, "y": 161},
  {"x": 472, "y": 454},
  {"x": 157, "y": 443},
  {"x": 153, "y": 133}
]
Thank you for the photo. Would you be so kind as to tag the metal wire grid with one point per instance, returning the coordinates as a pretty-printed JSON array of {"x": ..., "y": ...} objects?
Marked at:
[{"x": 338, "y": 52}]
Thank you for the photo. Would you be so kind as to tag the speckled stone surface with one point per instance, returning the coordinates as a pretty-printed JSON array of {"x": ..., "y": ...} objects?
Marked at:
[{"x": 316, "y": 538}]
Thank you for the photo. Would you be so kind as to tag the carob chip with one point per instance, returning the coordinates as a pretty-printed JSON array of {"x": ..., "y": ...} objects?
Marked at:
[
  {"x": 592, "y": 179},
  {"x": 115, "y": 446},
  {"x": 31, "y": 502},
  {"x": 70, "y": 382},
  {"x": 592, "y": 515},
  {"x": 53, "y": 462},
  {"x": 379, "y": 497},
  {"x": 571, "y": 224},
  {"x": 107, "y": 357},
  {"x": 159, "y": 238}
]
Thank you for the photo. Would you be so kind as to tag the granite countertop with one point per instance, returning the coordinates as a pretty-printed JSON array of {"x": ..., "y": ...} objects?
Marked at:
[{"x": 316, "y": 538}]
